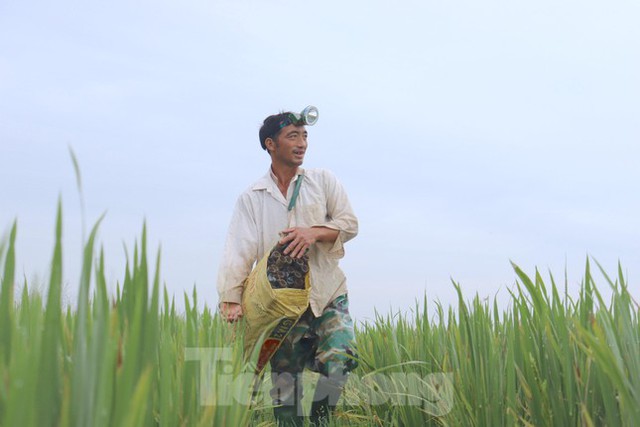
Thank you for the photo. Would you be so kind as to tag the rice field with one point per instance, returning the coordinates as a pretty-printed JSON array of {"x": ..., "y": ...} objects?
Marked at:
[{"x": 131, "y": 359}]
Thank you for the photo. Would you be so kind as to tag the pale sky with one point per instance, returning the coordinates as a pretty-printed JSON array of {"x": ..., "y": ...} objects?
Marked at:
[{"x": 467, "y": 133}]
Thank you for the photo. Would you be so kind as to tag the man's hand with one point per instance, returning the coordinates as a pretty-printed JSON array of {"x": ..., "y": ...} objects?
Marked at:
[
  {"x": 231, "y": 311},
  {"x": 300, "y": 239}
]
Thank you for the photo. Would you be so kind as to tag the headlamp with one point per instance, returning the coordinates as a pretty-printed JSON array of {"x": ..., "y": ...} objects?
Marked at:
[{"x": 307, "y": 117}]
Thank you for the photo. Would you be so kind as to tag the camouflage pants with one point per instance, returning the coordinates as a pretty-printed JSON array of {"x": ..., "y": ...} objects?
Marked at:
[{"x": 324, "y": 344}]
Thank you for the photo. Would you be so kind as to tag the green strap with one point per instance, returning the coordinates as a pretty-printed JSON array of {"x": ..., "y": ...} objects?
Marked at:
[{"x": 296, "y": 190}]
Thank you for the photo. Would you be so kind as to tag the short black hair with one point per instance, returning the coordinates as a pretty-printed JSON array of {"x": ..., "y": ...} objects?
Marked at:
[{"x": 272, "y": 126}]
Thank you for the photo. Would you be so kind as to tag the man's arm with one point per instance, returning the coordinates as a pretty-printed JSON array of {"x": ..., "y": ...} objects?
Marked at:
[
  {"x": 300, "y": 239},
  {"x": 340, "y": 226},
  {"x": 340, "y": 216},
  {"x": 239, "y": 254}
]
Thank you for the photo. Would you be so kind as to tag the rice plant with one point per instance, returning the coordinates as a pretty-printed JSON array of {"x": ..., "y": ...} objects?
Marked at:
[
  {"x": 111, "y": 360},
  {"x": 131, "y": 359}
]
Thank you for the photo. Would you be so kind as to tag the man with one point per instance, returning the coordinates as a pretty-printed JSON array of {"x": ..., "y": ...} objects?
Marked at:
[{"x": 318, "y": 226}]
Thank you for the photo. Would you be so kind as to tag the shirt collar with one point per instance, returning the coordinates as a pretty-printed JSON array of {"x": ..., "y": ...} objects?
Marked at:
[{"x": 269, "y": 181}]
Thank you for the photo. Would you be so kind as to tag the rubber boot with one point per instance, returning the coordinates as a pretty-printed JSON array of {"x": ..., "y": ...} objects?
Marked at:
[
  {"x": 321, "y": 413},
  {"x": 325, "y": 400},
  {"x": 287, "y": 416}
]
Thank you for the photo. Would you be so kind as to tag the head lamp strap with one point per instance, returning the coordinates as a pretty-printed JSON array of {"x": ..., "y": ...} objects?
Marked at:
[{"x": 292, "y": 119}]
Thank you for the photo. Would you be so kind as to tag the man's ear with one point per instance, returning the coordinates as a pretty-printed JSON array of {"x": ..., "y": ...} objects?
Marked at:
[{"x": 270, "y": 144}]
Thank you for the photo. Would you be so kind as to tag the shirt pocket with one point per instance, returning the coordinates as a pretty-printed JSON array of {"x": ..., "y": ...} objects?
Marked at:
[{"x": 313, "y": 214}]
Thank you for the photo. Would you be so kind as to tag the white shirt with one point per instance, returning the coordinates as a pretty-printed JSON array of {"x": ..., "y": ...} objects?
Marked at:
[{"x": 261, "y": 213}]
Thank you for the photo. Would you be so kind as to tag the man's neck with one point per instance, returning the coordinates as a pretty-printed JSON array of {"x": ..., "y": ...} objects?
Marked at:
[{"x": 284, "y": 174}]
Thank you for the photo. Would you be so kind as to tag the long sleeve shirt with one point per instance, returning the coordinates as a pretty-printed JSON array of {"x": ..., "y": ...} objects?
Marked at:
[{"x": 261, "y": 214}]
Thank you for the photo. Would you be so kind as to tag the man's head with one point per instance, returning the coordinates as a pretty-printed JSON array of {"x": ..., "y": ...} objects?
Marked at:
[
  {"x": 284, "y": 137},
  {"x": 273, "y": 125}
]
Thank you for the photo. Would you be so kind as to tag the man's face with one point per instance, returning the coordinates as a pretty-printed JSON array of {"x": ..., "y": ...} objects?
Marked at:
[{"x": 289, "y": 147}]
